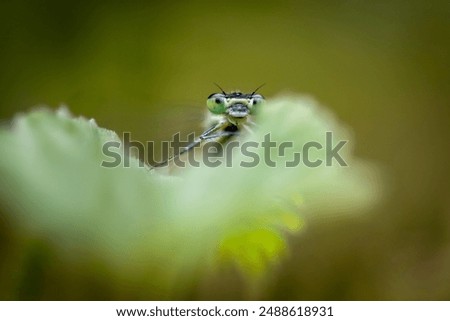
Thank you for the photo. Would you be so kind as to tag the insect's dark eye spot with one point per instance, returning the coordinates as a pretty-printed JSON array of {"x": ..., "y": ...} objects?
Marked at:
[
  {"x": 255, "y": 102},
  {"x": 218, "y": 101}
]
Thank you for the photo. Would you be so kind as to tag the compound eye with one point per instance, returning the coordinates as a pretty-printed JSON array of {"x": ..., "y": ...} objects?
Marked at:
[
  {"x": 257, "y": 99},
  {"x": 216, "y": 103}
]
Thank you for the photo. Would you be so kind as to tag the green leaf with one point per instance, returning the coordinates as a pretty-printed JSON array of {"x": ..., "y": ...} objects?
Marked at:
[{"x": 138, "y": 220}]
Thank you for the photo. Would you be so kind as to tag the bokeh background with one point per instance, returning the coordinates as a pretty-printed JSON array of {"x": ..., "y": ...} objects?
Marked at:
[{"x": 146, "y": 67}]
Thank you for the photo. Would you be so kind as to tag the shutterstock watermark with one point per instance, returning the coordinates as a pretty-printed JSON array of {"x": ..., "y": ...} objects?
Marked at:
[{"x": 214, "y": 154}]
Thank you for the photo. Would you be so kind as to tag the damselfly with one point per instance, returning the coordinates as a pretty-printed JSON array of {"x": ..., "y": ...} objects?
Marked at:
[{"x": 229, "y": 114}]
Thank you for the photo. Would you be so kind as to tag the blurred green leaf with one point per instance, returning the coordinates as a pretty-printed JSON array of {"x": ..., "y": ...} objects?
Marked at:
[{"x": 141, "y": 221}]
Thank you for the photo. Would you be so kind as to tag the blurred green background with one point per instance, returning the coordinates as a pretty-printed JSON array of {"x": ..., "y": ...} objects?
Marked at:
[{"x": 147, "y": 68}]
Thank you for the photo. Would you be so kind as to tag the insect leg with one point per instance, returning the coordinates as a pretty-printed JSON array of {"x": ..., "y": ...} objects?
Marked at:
[
  {"x": 222, "y": 134},
  {"x": 205, "y": 135}
]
